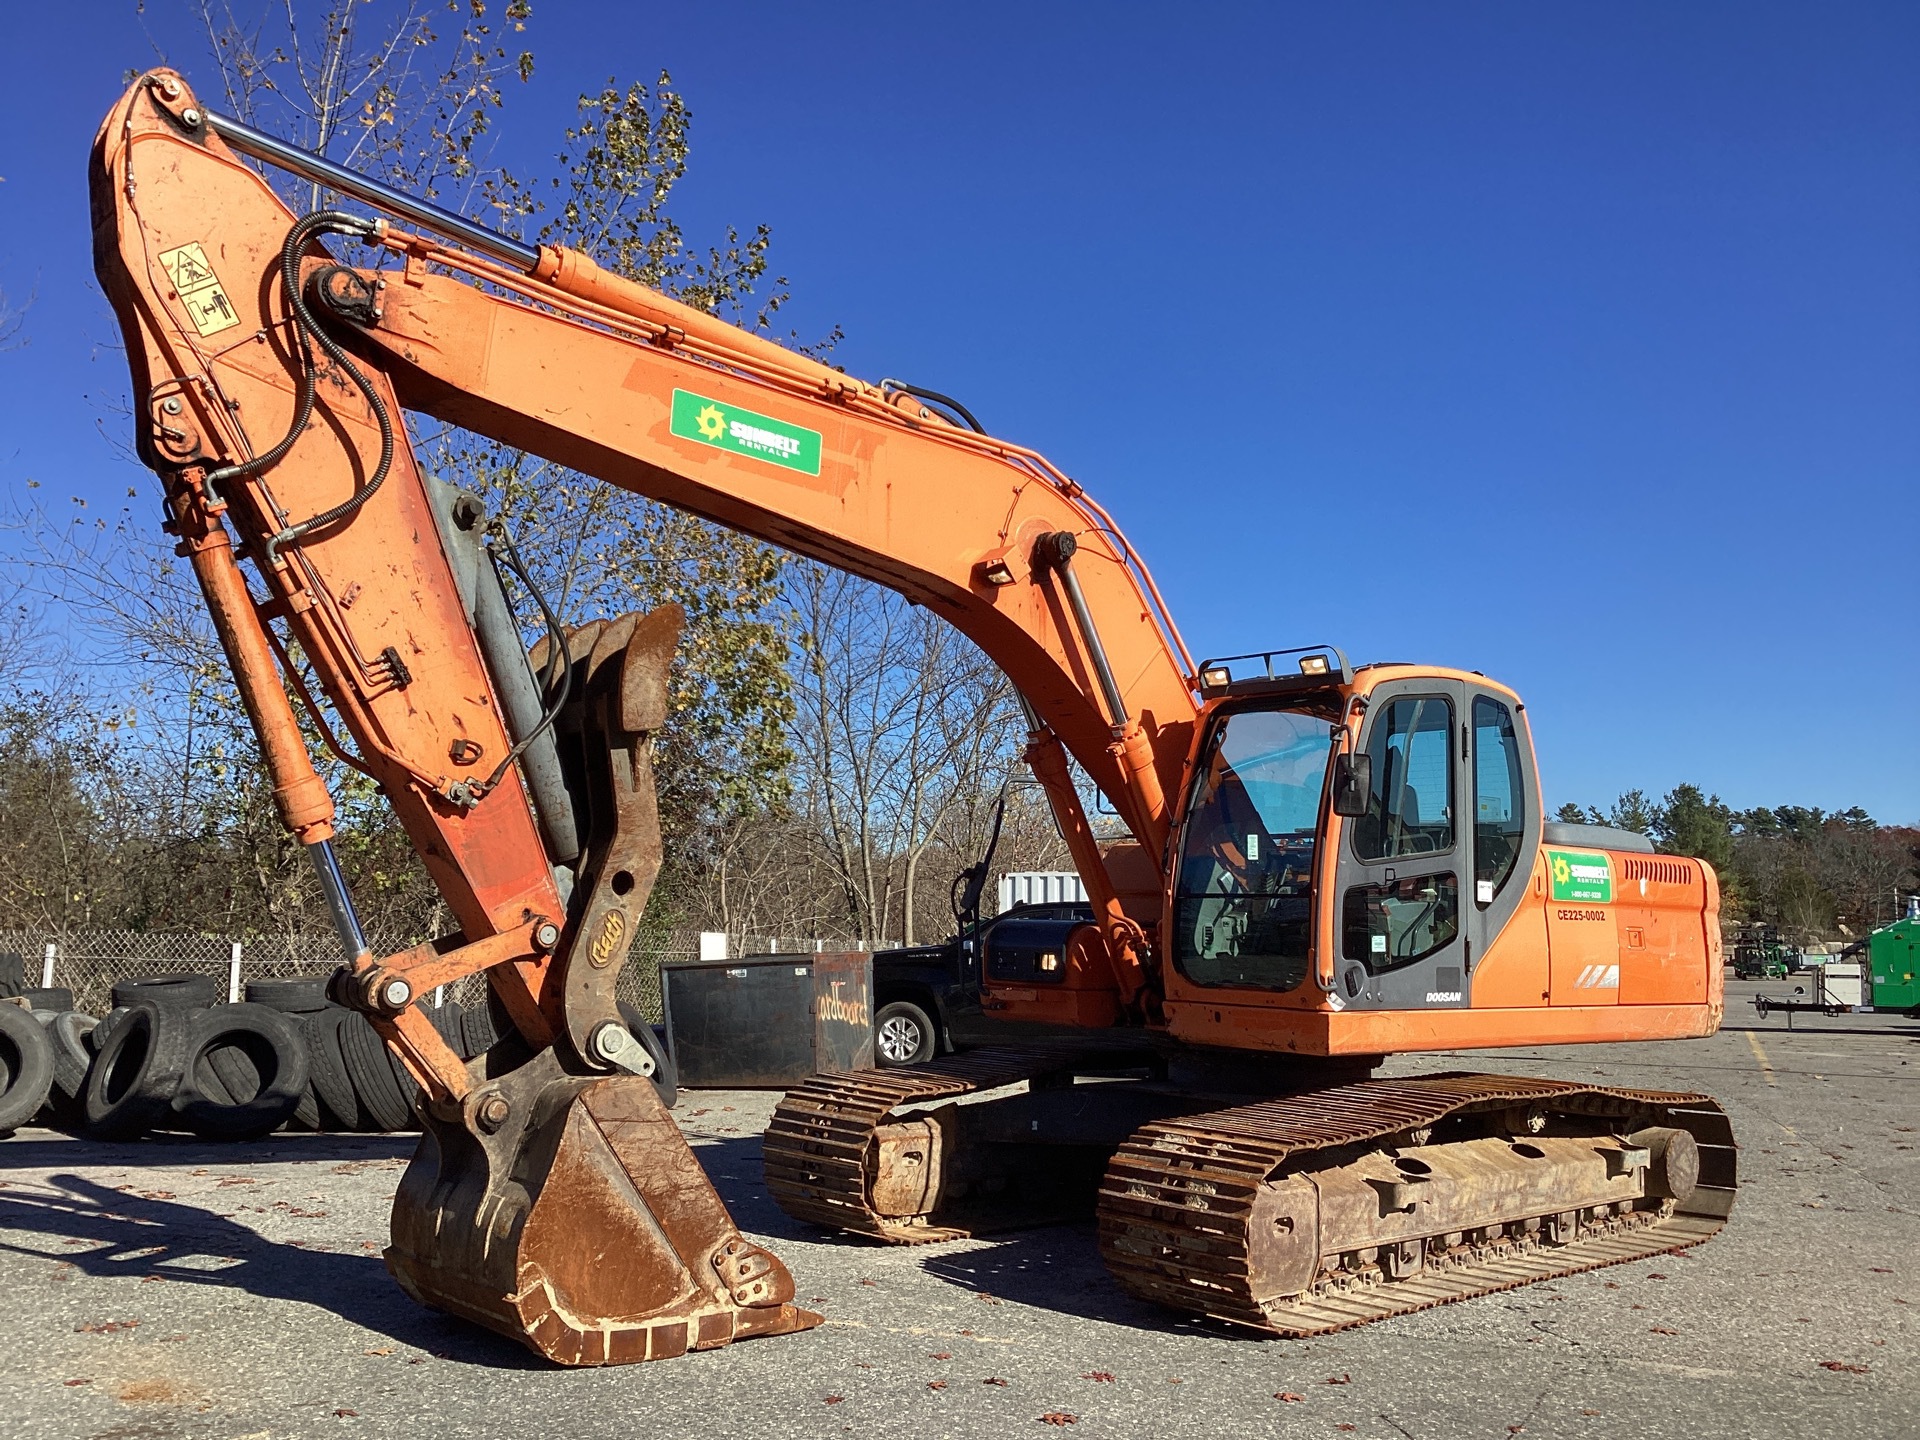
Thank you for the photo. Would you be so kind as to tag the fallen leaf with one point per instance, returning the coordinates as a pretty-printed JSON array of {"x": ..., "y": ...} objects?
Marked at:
[
  {"x": 1174, "y": 1380},
  {"x": 936, "y": 1384},
  {"x": 156, "y": 1194},
  {"x": 993, "y": 1380},
  {"x": 1613, "y": 1285},
  {"x": 964, "y": 1332},
  {"x": 1059, "y": 1417},
  {"x": 1878, "y": 1270},
  {"x": 346, "y": 1414},
  {"x": 1841, "y": 1367},
  {"x": 941, "y": 1355},
  {"x": 1344, "y": 1426},
  {"x": 834, "y": 1399},
  {"x": 1105, "y": 1377},
  {"x": 1661, "y": 1330},
  {"x": 1589, "y": 1412},
  {"x": 1656, "y": 1276},
  {"x": 76, "y": 1382},
  {"x": 1515, "y": 1429},
  {"x": 105, "y": 1327},
  {"x": 381, "y": 1350},
  {"x": 1343, "y": 1378},
  {"x": 871, "y": 1284},
  {"x": 1288, "y": 1396}
]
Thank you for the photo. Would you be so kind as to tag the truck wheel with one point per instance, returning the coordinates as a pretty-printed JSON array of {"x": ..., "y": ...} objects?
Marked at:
[
  {"x": 245, "y": 1073},
  {"x": 26, "y": 1055},
  {"x": 902, "y": 1034},
  {"x": 136, "y": 1072}
]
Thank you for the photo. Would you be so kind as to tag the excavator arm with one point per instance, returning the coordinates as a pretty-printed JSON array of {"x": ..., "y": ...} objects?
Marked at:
[{"x": 552, "y": 1197}]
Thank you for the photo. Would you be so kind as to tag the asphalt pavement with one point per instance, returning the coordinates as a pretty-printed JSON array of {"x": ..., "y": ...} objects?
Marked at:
[{"x": 173, "y": 1288}]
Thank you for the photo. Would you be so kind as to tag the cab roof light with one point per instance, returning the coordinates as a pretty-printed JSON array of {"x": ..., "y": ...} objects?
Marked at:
[{"x": 1312, "y": 665}]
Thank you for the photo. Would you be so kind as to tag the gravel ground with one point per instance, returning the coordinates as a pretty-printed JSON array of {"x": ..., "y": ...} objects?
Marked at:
[{"x": 173, "y": 1288}]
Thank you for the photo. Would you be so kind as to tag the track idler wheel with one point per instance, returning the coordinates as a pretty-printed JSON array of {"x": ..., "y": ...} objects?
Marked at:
[{"x": 568, "y": 1213}]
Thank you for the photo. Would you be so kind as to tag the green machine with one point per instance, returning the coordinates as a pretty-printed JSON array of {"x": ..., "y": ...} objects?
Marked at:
[{"x": 1894, "y": 970}]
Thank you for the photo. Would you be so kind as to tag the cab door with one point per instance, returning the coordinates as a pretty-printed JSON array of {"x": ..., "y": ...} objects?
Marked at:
[
  {"x": 1503, "y": 804},
  {"x": 1405, "y": 874}
]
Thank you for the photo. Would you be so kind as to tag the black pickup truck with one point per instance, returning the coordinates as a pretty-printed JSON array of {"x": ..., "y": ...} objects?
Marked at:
[{"x": 927, "y": 997}]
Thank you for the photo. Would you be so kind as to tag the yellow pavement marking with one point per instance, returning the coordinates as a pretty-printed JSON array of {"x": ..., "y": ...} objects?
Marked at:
[{"x": 1766, "y": 1066}]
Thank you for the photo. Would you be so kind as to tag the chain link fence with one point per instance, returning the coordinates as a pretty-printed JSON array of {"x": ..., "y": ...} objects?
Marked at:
[{"x": 88, "y": 962}]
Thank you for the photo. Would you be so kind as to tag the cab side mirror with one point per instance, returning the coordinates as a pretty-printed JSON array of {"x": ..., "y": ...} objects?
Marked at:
[{"x": 1352, "y": 784}]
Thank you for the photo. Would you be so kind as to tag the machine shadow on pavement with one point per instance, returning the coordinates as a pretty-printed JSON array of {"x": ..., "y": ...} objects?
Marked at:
[
  {"x": 1058, "y": 1268},
  {"x": 112, "y": 1233}
]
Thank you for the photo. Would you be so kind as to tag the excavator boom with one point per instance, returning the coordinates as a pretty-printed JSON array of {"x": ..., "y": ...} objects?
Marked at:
[{"x": 552, "y": 1197}]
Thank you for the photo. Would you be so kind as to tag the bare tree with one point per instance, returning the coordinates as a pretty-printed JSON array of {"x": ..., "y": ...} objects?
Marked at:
[
  {"x": 13, "y": 320},
  {"x": 900, "y": 722}
]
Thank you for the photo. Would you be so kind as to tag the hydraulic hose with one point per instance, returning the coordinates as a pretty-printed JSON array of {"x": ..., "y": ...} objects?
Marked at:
[
  {"x": 308, "y": 333},
  {"x": 946, "y": 401}
]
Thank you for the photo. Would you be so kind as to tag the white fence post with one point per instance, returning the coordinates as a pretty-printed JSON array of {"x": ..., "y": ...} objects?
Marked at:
[
  {"x": 46, "y": 967},
  {"x": 233, "y": 975}
]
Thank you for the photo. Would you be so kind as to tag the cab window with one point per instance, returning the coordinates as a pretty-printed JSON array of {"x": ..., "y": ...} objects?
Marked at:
[
  {"x": 1410, "y": 811},
  {"x": 1394, "y": 924},
  {"x": 1244, "y": 896},
  {"x": 1499, "y": 797}
]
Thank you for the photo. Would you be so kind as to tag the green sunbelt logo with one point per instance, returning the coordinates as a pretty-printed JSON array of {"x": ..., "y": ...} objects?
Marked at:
[
  {"x": 1577, "y": 875},
  {"x": 728, "y": 427}
]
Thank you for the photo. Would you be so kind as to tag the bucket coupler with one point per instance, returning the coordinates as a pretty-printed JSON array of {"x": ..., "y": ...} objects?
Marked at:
[{"x": 556, "y": 1201}]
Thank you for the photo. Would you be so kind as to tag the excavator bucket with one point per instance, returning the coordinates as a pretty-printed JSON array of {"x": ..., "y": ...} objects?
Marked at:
[
  {"x": 555, "y": 1202},
  {"x": 582, "y": 1226}
]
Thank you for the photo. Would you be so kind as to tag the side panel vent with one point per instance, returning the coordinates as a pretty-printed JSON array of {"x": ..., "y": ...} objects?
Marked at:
[{"x": 1662, "y": 872}]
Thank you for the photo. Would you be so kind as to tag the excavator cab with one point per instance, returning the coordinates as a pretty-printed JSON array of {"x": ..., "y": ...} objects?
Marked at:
[
  {"x": 1427, "y": 777},
  {"x": 1358, "y": 843}
]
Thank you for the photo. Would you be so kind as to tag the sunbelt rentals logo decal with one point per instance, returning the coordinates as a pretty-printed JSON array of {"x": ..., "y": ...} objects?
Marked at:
[
  {"x": 729, "y": 427},
  {"x": 1578, "y": 875}
]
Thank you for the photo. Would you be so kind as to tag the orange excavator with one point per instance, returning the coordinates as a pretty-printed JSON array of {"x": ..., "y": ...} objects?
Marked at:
[{"x": 1325, "y": 863}]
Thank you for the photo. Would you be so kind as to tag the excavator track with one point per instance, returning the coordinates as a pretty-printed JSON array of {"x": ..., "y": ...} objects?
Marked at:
[
  {"x": 827, "y": 1152},
  {"x": 1190, "y": 1208}
]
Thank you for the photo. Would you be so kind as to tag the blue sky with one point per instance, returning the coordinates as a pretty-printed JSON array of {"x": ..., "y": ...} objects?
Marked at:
[{"x": 1576, "y": 344}]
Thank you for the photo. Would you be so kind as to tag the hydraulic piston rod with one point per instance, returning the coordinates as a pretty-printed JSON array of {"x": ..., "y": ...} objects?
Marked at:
[{"x": 322, "y": 171}]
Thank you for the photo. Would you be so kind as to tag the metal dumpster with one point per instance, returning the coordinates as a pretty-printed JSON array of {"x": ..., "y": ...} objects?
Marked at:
[{"x": 768, "y": 1021}]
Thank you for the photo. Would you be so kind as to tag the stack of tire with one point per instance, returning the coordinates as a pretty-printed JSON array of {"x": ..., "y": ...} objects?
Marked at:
[{"x": 170, "y": 1056}]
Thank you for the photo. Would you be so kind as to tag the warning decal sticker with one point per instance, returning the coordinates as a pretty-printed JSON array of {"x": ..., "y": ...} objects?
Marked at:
[
  {"x": 1577, "y": 875},
  {"x": 728, "y": 427},
  {"x": 199, "y": 288}
]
